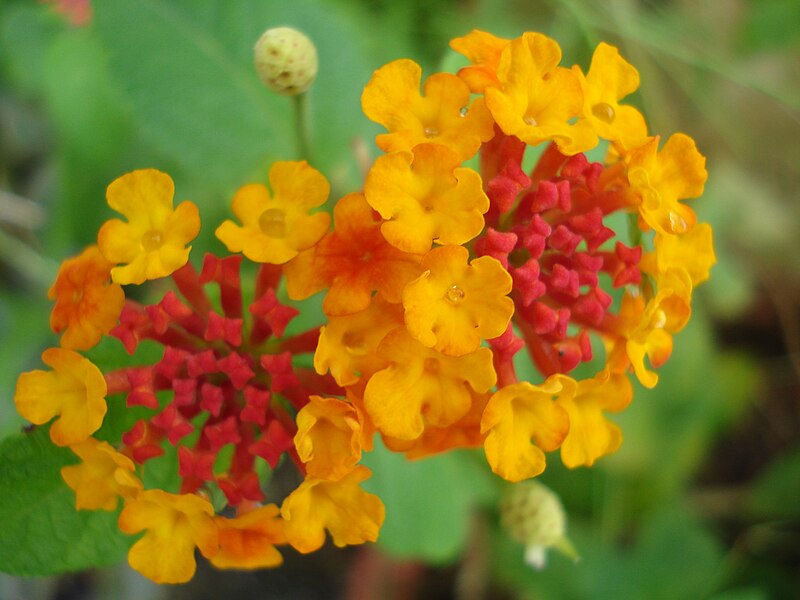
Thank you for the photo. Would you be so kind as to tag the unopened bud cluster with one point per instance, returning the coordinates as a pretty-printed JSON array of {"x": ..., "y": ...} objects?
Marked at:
[{"x": 286, "y": 60}]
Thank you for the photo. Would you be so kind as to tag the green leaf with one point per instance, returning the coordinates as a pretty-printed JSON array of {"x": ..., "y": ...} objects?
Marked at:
[
  {"x": 428, "y": 502},
  {"x": 42, "y": 531},
  {"x": 775, "y": 493}
]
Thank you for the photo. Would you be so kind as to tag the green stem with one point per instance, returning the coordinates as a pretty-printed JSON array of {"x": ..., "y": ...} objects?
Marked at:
[{"x": 301, "y": 126}]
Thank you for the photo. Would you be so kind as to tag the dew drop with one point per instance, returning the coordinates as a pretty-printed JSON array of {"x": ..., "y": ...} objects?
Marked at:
[
  {"x": 151, "y": 240},
  {"x": 464, "y": 111},
  {"x": 659, "y": 319},
  {"x": 431, "y": 132},
  {"x": 677, "y": 222},
  {"x": 454, "y": 294},
  {"x": 530, "y": 121},
  {"x": 604, "y": 112},
  {"x": 273, "y": 223}
]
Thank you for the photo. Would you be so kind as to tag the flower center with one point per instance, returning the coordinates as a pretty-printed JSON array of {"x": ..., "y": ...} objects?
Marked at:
[
  {"x": 354, "y": 344},
  {"x": 454, "y": 294},
  {"x": 431, "y": 365},
  {"x": 604, "y": 112},
  {"x": 152, "y": 240},
  {"x": 273, "y": 223}
]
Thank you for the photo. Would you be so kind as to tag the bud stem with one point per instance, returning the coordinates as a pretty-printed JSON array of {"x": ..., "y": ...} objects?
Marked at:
[{"x": 301, "y": 126}]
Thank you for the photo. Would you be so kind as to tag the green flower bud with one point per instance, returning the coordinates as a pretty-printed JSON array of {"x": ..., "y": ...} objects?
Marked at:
[
  {"x": 286, "y": 60},
  {"x": 532, "y": 514}
]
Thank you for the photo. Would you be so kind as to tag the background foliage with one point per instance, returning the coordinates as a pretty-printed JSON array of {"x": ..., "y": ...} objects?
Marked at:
[{"x": 703, "y": 499}]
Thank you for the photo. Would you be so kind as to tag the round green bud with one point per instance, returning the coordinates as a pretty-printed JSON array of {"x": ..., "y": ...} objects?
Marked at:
[
  {"x": 532, "y": 514},
  {"x": 286, "y": 60}
]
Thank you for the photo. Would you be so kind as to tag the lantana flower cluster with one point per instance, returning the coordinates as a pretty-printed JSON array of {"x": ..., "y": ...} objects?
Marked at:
[{"x": 456, "y": 267}]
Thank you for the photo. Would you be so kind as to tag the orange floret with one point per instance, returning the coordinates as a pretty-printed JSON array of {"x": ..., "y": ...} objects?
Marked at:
[
  {"x": 453, "y": 304},
  {"x": 536, "y": 98},
  {"x": 483, "y": 50},
  {"x": 174, "y": 526},
  {"x": 523, "y": 421},
  {"x": 591, "y": 435},
  {"x": 102, "y": 478},
  {"x": 277, "y": 227},
  {"x": 610, "y": 79},
  {"x": 441, "y": 115},
  {"x": 328, "y": 438},
  {"x": 354, "y": 261},
  {"x": 423, "y": 387},
  {"x": 663, "y": 177},
  {"x": 425, "y": 196},
  {"x": 248, "y": 540},
  {"x": 152, "y": 243},
  {"x": 347, "y": 345},
  {"x": 74, "y": 391},
  {"x": 351, "y": 515},
  {"x": 87, "y": 303}
]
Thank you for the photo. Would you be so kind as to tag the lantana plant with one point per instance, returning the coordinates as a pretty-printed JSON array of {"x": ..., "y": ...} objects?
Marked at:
[{"x": 461, "y": 261}]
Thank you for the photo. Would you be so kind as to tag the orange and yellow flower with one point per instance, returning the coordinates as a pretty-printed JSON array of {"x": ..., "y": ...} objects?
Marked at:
[
  {"x": 454, "y": 304},
  {"x": 328, "y": 438},
  {"x": 347, "y": 512},
  {"x": 87, "y": 303},
  {"x": 536, "y": 99},
  {"x": 152, "y": 244},
  {"x": 248, "y": 540},
  {"x": 353, "y": 261},
  {"x": 174, "y": 526},
  {"x": 442, "y": 115},
  {"x": 103, "y": 476},
  {"x": 422, "y": 386},
  {"x": 277, "y": 227},
  {"x": 426, "y": 196},
  {"x": 74, "y": 391}
]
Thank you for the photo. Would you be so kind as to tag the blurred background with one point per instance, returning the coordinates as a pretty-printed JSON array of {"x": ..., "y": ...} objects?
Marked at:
[{"x": 703, "y": 498}]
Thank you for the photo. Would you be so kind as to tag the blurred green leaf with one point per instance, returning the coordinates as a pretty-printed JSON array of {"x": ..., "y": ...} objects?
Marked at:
[
  {"x": 26, "y": 31},
  {"x": 42, "y": 532},
  {"x": 429, "y": 502},
  {"x": 776, "y": 493},
  {"x": 771, "y": 24}
]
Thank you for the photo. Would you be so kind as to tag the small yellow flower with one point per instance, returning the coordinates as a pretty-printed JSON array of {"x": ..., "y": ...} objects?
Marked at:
[
  {"x": 523, "y": 421},
  {"x": 276, "y": 227},
  {"x": 174, "y": 526},
  {"x": 347, "y": 345},
  {"x": 74, "y": 390},
  {"x": 328, "y": 438},
  {"x": 443, "y": 115},
  {"x": 425, "y": 197},
  {"x": 453, "y": 304},
  {"x": 351, "y": 515},
  {"x": 423, "y": 387},
  {"x": 102, "y": 478},
  {"x": 152, "y": 243},
  {"x": 663, "y": 177},
  {"x": 536, "y": 99},
  {"x": 609, "y": 80},
  {"x": 248, "y": 540},
  {"x": 591, "y": 435}
]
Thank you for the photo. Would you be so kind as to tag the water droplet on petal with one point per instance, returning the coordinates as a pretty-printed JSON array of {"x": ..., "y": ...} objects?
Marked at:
[
  {"x": 530, "y": 121},
  {"x": 659, "y": 319},
  {"x": 677, "y": 222},
  {"x": 454, "y": 294},
  {"x": 273, "y": 223},
  {"x": 463, "y": 112},
  {"x": 604, "y": 112},
  {"x": 431, "y": 132}
]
